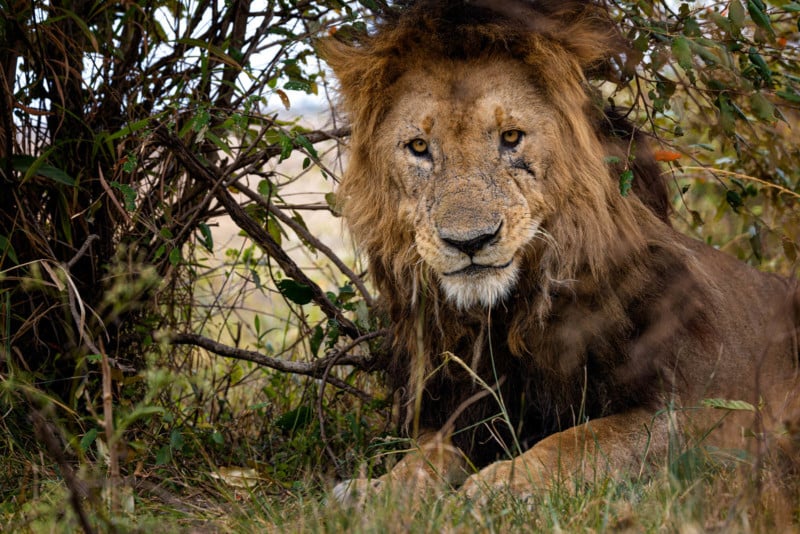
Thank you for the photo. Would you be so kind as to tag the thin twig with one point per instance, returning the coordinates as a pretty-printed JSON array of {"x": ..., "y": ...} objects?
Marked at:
[
  {"x": 81, "y": 251},
  {"x": 742, "y": 176}
]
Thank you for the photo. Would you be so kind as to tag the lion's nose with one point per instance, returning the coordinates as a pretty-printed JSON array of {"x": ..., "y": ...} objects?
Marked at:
[{"x": 472, "y": 242}]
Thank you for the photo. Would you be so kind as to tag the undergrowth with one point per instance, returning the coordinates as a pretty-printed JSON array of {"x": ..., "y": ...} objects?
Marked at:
[{"x": 721, "y": 498}]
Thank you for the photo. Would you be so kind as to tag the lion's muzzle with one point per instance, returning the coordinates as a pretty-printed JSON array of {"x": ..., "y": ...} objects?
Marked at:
[{"x": 472, "y": 241}]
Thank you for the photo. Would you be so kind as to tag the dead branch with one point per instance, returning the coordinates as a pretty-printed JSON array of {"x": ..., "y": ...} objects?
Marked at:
[{"x": 317, "y": 368}]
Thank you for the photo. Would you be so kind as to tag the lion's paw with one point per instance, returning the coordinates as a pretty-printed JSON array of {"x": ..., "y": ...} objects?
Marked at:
[{"x": 355, "y": 491}]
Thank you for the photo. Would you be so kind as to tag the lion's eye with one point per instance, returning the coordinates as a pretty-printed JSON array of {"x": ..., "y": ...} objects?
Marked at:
[
  {"x": 511, "y": 138},
  {"x": 419, "y": 147}
]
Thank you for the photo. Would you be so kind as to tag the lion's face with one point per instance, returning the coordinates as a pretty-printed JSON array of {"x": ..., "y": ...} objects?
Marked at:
[{"x": 468, "y": 148}]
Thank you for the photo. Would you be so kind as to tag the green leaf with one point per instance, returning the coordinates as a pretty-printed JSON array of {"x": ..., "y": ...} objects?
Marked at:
[
  {"x": 789, "y": 95},
  {"x": 758, "y": 61},
  {"x": 138, "y": 413},
  {"x": 286, "y": 145},
  {"x": 682, "y": 52},
  {"x": 295, "y": 292},
  {"x": 691, "y": 28},
  {"x": 218, "y": 142},
  {"x": 175, "y": 256},
  {"x": 159, "y": 251},
  {"x": 30, "y": 167},
  {"x": 315, "y": 340},
  {"x": 274, "y": 230},
  {"x": 333, "y": 332},
  {"x": 164, "y": 455},
  {"x": 727, "y": 119},
  {"x": 213, "y": 49},
  {"x": 207, "y": 239},
  {"x": 130, "y": 163},
  {"x": 176, "y": 440},
  {"x": 625, "y": 182},
  {"x": 88, "y": 439},
  {"x": 305, "y": 143},
  {"x": 722, "y": 23},
  {"x": 266, "y": 188},
  {"x": 762, "y": 108},
  {"x": 346, "y": 292},
  {"x": 708, "y": 50},
  {"x": 726, "y": 404},
  {"x": 7, "y": 250},
  {"x": 128, "y": 194},
  {"x": 295, "y": 419},
  {"x": 200, "y": 120},
  {"x": 330, "y": 200},
  {"x": 759, "y": 16},
  {"x": 734, "y": 199},
  {"x": 297, "y": 85},
  {"x": 736, "y": 16},
  {"x": 128, "y": 129},
  {"x": 704, "y": 146}
]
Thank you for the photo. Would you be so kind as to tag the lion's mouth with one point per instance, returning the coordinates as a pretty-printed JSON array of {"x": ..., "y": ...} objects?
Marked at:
[{"x": 474, "y": 269}]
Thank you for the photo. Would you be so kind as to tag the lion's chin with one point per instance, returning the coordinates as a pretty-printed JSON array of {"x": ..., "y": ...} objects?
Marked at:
[{"x": 486, "y": 287}]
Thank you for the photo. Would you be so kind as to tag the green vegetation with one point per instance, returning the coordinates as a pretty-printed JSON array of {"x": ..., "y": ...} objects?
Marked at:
[{"x": 185, "y": 342}]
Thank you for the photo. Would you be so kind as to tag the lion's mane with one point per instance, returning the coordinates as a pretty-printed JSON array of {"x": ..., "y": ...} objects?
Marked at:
[{"x": 587, "y": 320}]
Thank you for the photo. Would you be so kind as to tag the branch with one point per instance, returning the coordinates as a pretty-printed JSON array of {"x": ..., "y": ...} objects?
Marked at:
[
  {"x": 316, "y": 369},
  {"x": 269, "y": 152},
  {"x": 256, "y": 231},
  {"x": 303, "y": 232}
]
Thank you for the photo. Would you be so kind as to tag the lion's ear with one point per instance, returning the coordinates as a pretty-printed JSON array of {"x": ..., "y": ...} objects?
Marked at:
[
  {"x": 348, "y": 64},
  {"x": 363, "y": 73}
]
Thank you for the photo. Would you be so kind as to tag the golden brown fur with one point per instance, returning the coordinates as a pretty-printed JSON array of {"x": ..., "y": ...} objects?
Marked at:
[{"x": 516, "y": 276}]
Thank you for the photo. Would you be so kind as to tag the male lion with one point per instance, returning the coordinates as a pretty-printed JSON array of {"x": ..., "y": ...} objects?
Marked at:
[{"x": 537, "y": 313}]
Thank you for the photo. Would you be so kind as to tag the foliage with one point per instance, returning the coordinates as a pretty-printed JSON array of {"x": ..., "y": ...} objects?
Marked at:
[
  {"x": 718, "y": 85},
  {"x": 132, "y": 134}
]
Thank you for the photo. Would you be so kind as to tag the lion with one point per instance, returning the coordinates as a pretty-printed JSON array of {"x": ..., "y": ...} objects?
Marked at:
[{"x": 545, "y": 327}]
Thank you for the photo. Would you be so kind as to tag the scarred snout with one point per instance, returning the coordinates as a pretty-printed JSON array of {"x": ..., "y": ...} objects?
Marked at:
[{"x": 472, "y": 239}]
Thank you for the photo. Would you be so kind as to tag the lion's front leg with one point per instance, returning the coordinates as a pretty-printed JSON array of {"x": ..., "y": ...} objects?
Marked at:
[
  {"x": 617, "y": 444},
  {"x": 432, "y": 464}
]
